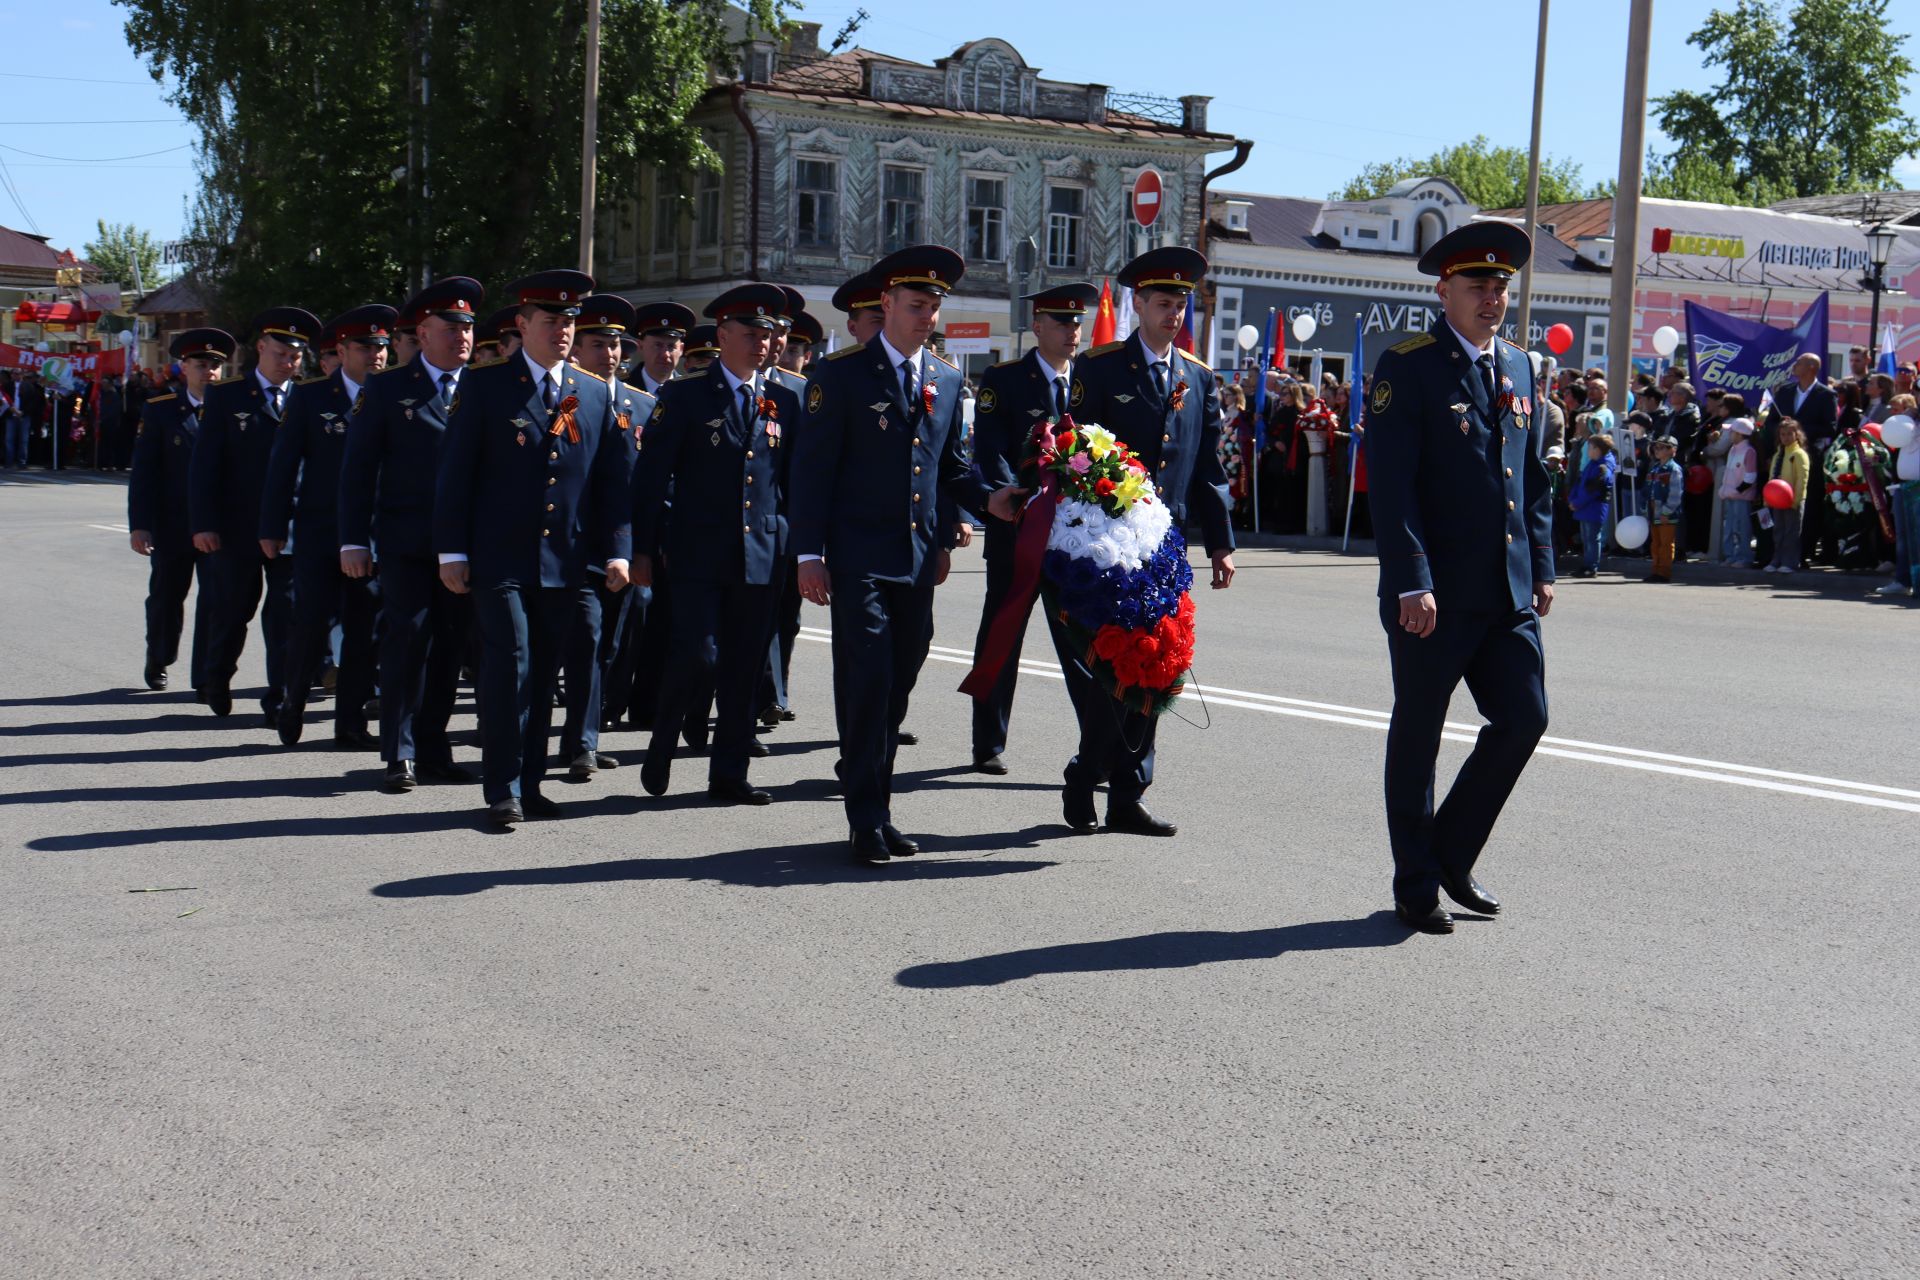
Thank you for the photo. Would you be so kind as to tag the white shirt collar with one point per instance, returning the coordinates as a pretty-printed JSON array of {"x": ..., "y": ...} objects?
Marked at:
[
  {"x": 353, "y": 388},
  {"x": 734, "y": 384},
  {"x": 1153, "y": 359},
  {"x": 895, "y": 355},
  {"x": 435, "y": 372},
  {"x": 1047, "y": 371},
  {"x": 261, "y": 378},
  {"x": 541, "y": 369},
  {"x": 1492, "y": 347},
  {"x": 647, "y": 383}
]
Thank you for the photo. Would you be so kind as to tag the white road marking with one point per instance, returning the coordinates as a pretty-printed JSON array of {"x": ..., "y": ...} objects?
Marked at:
[
  {"x": 1871, "y": 794},
  {"x": 111, "y": 528}
]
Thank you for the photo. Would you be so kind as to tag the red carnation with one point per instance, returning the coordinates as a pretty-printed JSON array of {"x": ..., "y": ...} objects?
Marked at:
[
  {"x": 1063, "y": 441},
  {"x": 1104, "y": 487}
]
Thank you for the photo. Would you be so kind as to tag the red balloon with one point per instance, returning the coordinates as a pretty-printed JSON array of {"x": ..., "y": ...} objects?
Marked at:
[
  {"x": 1872, "y": 429},
  {"x": 1778, "y": 495},
  {"x": 1559, "y": 338},
  {"x": 1699, "y": 478}
]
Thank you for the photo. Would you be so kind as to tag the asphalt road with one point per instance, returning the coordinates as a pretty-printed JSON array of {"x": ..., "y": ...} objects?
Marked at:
[{"x": 661, "y": 1039}]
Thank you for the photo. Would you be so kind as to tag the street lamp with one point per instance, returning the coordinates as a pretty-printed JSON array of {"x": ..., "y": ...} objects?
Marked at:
[{"x": 1879, "y": 249}]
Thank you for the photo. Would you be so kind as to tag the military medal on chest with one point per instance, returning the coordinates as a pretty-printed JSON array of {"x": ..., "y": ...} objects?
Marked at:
[{"x": 1461, "y": 411}]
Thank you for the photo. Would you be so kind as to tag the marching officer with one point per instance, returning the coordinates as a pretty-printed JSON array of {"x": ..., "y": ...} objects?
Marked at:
[
  {"x": 395, "y": 436},
  {"x": 157, "y": 505},
  {"x": 662, "y": 328},
  {"x": 535, "y": 483},
  {"x": 228, "y": 476},
  {"x": 717, "y": 443},
  {"x": 1165, "y": 405},
  {"x": 880, "y": 446},
  {"x": 791, "y": 346},
  {"x": 406, "y": 342},
  {"x": 1463, "y": 515},
  {"x": 303, "y": 488},
  {"x": 702, "y": 349},
  {"x": 1013, "y": 396},
  {"x": 859, "y": 300},
  {"x": 793, "y": 306},
  {"x": 600, "y": 333}
]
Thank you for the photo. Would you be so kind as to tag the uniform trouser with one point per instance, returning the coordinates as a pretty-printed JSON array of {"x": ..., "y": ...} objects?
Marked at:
[
  {"x": 881, "y": 631},
  {"x": 652, "y": 650},
  {"x": 423, "y": 640},
  {"x": 622, "y": 674},
  {"x": 523, "y": 636},
  {"x": 1116, "y": 742},
  {"x": 247, "y": 582},
  {"x": 1500, "y": 657},
  {"x": 992, "y": 713},
  {"x": 323, "y": 596},
  {"x": 786, "y": 634},
  {"x": 720, "y": 632},
  {"x": 592, "y": 647},
  {"x": 170, "y": 575}
]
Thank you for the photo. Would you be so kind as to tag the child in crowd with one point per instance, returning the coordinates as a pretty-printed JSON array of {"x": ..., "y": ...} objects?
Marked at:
[
  {"x": 1790, "y": 463},
  {"x": 1589, "y": 496},
  {"x": 1666, "y": 490},
  {"x": 1739, "y": 482},
  {"x": 1556, "y": 463}
]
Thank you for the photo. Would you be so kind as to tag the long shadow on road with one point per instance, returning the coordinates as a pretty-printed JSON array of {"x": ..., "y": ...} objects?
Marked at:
[
  {"x": 773, "y": 868},
  {"x": 362, "y": 824},
  {"x": 1182, "y": 950}
]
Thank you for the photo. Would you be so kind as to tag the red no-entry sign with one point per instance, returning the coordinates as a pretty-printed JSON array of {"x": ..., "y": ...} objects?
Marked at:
[{"x": 1146, "y": 197}]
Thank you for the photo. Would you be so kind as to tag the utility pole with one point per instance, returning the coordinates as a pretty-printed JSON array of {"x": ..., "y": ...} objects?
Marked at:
[
  {"x": 1626, "y": 211},
  {"x": 1533, "y": 177},
  {"x": 590, "y": 137}
]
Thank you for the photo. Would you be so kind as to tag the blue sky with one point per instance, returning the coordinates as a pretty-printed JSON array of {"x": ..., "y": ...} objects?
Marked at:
[{"x": 1323, "y": 89}]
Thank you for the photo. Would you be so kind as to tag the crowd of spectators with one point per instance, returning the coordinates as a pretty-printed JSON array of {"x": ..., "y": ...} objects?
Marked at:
[{"x": 90, "y": 424}]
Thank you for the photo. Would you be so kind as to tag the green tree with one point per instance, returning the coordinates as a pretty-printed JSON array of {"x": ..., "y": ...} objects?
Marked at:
[
  {"x": 1492, "y": 177},
  {"x": 1808, "y": 104},
  {"x": 346, "y": 153},
  {"x": 124, "y": 254}
]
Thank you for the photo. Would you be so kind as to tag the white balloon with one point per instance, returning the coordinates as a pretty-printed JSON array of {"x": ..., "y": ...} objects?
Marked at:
[
  {"x": 1248, "y": 337},
  {"x": 1666, "y": 339},
  {"x": 1897, "y": 432},
  {"x": 1304, "y": 327},
  {"x": 1631, "y": 533}
]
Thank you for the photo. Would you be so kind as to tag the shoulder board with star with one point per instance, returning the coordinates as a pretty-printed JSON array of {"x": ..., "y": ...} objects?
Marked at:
[
  {"x": 943, "y": 360},
  {"x": 1513, "y": 347},
  {"x": 1007, "y": 364},
  {"x": 1413, "y": 344},
  {"x": 171, "y": 395},
  {"x": 487, "y": 364},
  {"x": 844, "y": 352},
  {"x": 307, "y": 382},
  {"x": 1105, "y": 347},
  {"x": 1193, "y": 359}
]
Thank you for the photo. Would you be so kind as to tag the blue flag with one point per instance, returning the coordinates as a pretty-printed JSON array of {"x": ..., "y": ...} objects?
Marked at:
[
  {"x": 1357, "y": 401},
  {"x": 1748, "y": 356},
  {"x": 1260, "y": 387}
]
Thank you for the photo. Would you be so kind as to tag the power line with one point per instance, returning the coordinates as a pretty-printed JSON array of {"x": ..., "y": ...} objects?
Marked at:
[
  {"x": 54, "y": 124},
  {"x": 96, "y": 159},
  {"x": 25, "y": 75},
  {"x": 6, "y": 181}
]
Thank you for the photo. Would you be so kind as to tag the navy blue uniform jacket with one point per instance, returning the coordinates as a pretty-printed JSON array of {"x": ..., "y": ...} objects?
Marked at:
[
  {"x": 1014, "y": 395},
  {"x": 303, "y": 472},
  {"x": 1112, "y": 388},
  {"x": 728, "y": 481},
  {"x": 393, "y": 461},
  {"x": 517, "y": 496},
  {"x": 870, "y": 478},
  {"x": 162, "y": 460},
  {"x": 1460, "y": 500},
  {"x": 230, "y": 461}
]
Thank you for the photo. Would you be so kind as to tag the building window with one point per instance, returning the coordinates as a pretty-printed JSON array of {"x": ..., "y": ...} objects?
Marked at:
[
  {"x": 1066, "y": 225},
  {"x": 1368, "y": 233},
  {"x": 706, "y": 210},
  {"x": 986, "y": 219},
  {"x": 666, "y": 219},
  {"x": 816, "y": 213},
  {"x": 903, "y": 204}
]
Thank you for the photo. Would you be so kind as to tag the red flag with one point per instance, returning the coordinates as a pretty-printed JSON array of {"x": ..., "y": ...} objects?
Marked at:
[
  {"x": 1185, "y": 340},
  {"x": 1103, "y": 322},
  {"x": 1279, "y": 360}
]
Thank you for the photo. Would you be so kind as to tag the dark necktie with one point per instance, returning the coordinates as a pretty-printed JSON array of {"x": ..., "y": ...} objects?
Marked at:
[
  {"x": 356, "y": 398},
  {"x": 908, "y": 387},
  {"x": 1486, "y": 377},
  {"x": 446, "y": 389},
  {"x": 1059, "y": 397},
  {"x": 549, "y": 392},
  {"x": 1160, "y": 378},
  {"x": 193, "y": 413},
  {"x": 273, "y": 400},
  {"x": 746, "y": 404}
]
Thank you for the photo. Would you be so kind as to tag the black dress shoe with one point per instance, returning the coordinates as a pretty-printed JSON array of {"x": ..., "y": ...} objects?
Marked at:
[
  {"x": 992, "y": 764},
  {"x": 770, "y": 716},
  {"x": 353, "y": 738},
  {"x": 898, "y": 844},
  {"x": 1471, "y": 894},
  {"x": 155, "y": 675},
  {"x": 655, "y": 772},
  {"x": 504, "y": 813},
  {"x": 220, "y": 699},
  {"x": 583, "y": 767},
  {"x": 736, "y": 791},
  {"x": 446, "y": 771},
  {"x": 907, "y": 738},
  {"x": 400, "y": 776},
  {"x": 758, "y": 749},
  {"x": 291, "y": 722},
  {"x": 786, "y": 715},
  {"x": 538, "y": 806},
  {"x": 1435, "y": 919},
  {"x": 606, "y": 761},
  {"x": 868, "y": 848},
  {"x": 1079, "y": 811},
  {"x": 1132, "y": 817}
]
